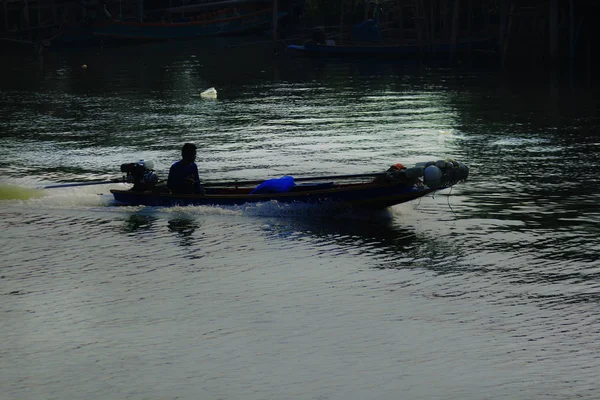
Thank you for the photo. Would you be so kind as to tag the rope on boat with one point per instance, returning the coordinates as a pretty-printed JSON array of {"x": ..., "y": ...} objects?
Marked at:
[{"x": 451, "y": 187}]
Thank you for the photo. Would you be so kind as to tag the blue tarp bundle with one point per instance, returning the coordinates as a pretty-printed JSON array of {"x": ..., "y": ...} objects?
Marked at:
[{"x": 275, "y": 185}]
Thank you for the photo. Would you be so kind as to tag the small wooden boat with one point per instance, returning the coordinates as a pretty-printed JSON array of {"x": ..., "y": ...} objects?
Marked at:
[
  {"x": 208, "y": 19},
  {"x": 394, "y": 186},
  {"x": 222, "y": 22}
]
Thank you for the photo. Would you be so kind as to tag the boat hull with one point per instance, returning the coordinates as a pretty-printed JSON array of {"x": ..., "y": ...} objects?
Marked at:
[
  {"x": 367, "y": 196},
  {"x": 126, "y": 30}
]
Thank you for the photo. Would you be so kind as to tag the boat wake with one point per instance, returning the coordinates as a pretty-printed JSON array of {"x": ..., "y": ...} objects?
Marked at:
[
  {"x": 15, "y": 192},
  {"x": 271, "y": 209},
  {"x": 78, "y": 197}
]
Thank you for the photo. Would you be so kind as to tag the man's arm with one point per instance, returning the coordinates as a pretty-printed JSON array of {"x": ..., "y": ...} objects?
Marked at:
[{"x": 197, "y": 185}]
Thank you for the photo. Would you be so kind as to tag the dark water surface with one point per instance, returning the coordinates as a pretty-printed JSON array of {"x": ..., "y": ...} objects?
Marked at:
[{"x": 488, "y": 291}]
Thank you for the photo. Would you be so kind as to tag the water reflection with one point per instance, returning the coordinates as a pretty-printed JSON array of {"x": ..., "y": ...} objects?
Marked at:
[
  {"x": 184, "y": 229},
  {"x": 136, "y": 223},
  {"x": 373, "y": 233}
]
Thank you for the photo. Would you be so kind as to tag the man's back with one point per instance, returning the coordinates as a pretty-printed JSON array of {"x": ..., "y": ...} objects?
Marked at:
[{"x": 183, "y": 178}]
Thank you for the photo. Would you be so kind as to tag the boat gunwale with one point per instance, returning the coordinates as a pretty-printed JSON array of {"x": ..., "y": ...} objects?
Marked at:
[{"x": 274, "y": 196}]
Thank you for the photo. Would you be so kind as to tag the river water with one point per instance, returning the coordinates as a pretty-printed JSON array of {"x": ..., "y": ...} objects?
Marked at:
[{"x": 490, "y": 290}]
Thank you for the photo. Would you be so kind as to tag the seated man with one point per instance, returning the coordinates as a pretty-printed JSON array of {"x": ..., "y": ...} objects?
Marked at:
[{"x": 183, "y": 175}]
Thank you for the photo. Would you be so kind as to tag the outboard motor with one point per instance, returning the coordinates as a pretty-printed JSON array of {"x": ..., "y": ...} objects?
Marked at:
[{"x": 141, "y": 174}]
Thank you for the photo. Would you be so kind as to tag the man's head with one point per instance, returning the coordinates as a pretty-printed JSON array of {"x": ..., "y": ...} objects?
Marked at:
[{"x": 188, "y": 152}]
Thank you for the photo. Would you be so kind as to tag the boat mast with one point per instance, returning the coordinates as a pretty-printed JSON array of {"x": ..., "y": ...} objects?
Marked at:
[
  {"x": 275, "y": 19},
  {"x": 140, "y": 10}
]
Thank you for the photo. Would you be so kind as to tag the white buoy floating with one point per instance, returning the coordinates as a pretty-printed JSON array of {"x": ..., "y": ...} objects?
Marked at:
[{"x": 210, "y": 93}]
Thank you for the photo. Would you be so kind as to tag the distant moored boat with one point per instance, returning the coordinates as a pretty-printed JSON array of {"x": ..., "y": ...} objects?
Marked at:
[{"x": 186, "y": 22}]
